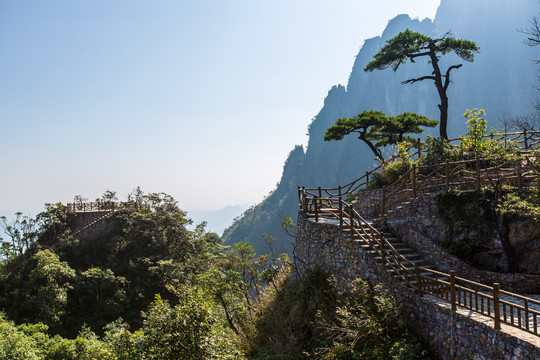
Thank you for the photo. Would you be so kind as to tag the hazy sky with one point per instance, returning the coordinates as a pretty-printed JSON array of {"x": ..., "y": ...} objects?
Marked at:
[{"x": 201, "y": 99}]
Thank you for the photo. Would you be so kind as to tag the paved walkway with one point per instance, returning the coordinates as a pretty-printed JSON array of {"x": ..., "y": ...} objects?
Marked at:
[{"x": 513, "y": 331}]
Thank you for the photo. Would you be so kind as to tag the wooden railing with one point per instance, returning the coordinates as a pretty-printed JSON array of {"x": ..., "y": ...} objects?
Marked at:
[
  {"x": 422, "y": 178},
  {"x": 101, "y": 206},
  {"x": 349, "y": 190},
  {"x": 526, "y": 139},
  {"x": 490, "y": 301},
  {"x": 486, "y": 300},
  {"x": 463, "y": 174}
]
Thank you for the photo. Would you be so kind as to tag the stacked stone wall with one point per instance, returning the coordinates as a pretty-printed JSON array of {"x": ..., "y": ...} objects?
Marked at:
[
  {"x": 418, "y": 225},
  {"x": 101, "y": 225},
  {"x": 368, "y": 204},
  {"x": 449, "y": 335}
]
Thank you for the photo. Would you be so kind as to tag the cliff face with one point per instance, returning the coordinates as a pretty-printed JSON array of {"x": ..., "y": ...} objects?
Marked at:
[{"x": 501, "y": 80}]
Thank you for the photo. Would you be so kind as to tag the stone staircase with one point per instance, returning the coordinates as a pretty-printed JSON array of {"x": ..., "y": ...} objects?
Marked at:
[
  {"x": 416, "y": 268},
  {"x": 95, "y": 222},
  {"x": 414, "y": 260}
]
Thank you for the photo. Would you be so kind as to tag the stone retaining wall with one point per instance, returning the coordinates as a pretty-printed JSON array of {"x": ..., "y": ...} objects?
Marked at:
[
  {"x": 449, "y": 335},
  {"x": 100, "y": 226},
  {"x": 418, "y": 225},
  {"x": 82, "y": 219},
  {"x": 368, "y": 204}
]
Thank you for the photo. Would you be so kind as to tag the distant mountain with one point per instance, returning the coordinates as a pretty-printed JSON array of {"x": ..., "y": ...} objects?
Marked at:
[
  {"x": 217, "y": 220},
  {"x": 501, "y": 80}
]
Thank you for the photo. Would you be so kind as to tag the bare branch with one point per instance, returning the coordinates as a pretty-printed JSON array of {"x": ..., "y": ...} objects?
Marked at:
[
  {"x": 412, "y": 81},
  {"x": 533, "y": 31},
  {"x": 520, "y": 122},
  {"x": 447, "y": 76}
]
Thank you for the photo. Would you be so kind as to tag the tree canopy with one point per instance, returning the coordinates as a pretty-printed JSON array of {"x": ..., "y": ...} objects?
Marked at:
[
  {"x": 409, "y": 45},
  {"x": 378, "y": 130}
]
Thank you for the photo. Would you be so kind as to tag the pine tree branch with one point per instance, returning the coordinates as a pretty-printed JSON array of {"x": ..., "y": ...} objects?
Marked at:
[{"x": 412, "y": 81}]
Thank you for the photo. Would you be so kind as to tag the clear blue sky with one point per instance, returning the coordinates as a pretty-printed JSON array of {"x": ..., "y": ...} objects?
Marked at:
[{"x": 199, "y": 99}]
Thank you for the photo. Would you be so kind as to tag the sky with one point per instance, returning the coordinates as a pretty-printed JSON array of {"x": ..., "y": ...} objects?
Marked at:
[{"x": 202, "y": 100}]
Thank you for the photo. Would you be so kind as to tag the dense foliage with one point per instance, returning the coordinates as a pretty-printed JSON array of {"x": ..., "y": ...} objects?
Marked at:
[
  {"x": 65, "y": 282},
  {"x": 309, "y": 318},
  {"x": 378, "y": 130},
  {"x": 146, "y": 287},
  {"x": 477, "y": 142}
]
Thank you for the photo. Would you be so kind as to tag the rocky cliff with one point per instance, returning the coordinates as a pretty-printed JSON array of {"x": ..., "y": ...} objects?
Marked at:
[{"x": 501, "y": 80}]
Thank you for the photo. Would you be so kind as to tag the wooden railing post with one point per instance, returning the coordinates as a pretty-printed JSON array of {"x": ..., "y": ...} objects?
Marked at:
[
  {"x": 351, "y": 219},
  {"x": 477, "y": 172},
  {"x": 525, "y": 143},
  {"x": 315, "y": 201},
  {"x": 526, "y": 313},
  {"x": 447, "y": 174},
  {"x": 520, "y": 177},
  {"x": 413, "y": 174},
  {"x": 505, "y": 135},
  {"x": 383, "y": 193},
  {"x": 381, "y": 247},
  {"x": 496, "y": 306},
  {"x": 320, "y": 193},
  {"x": 418, "y": 280},
  {"x": 340, "y": 207},
  {"x": 453, "y": 290}
]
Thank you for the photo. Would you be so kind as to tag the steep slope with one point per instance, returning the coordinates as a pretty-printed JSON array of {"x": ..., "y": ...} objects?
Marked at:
[{"x": 501, "y": 80}]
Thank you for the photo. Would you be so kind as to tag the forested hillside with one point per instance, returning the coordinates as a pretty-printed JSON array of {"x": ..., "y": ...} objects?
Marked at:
[
  {"x": 501, "y": 80},
  {"x": 143, "y": 286}
]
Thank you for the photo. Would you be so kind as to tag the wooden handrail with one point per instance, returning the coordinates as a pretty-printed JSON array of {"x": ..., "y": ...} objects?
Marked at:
[
  {"x": 459, "y": 292},
  {"x": 101, "y": 206}
]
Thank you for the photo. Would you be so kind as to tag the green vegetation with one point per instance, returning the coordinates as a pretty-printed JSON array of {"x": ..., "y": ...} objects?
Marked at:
[
  {"x": 378, "y": 130},
  {"x": 308, "y": 318},
  {"x": 516, "y": 205},
  {"x": 409, "y": 45},
  {"x": 476, "y": 143},
  {"x": 147, "y": 287},
  {"x": 393, "y": 170},
  {"x": 471, "y": 219}
]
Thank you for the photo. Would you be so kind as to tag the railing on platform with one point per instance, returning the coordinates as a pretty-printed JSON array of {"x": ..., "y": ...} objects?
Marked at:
[
  {"x": 472, "y": 174},
  {"x": 102, "y": 206},
  {"x": 421, "y": 178}
]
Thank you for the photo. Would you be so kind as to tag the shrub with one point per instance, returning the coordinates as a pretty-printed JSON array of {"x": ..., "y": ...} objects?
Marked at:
[
  {"x": 309, "y": 318},
  {"x": 189, "y": 330},
  {"x": 389, "y": 174}
]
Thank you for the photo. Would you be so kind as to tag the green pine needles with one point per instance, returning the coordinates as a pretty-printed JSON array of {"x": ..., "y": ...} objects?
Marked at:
[
  {"x": 409, "y": 45},
  {"x": 378, "y": 130}
]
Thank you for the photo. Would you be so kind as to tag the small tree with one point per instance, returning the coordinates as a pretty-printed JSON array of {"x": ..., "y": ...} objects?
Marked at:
[
  {"x": 378, "y": 130},
  {"x": 476, "y": 130},
  {"x": 533, "y": 33},
  {"x": 533, "y": 39},
  {"x": 22, "y": 232},
  {"x": 106, "y": 201},
  {"x": 409, "y": 45},
  {"x": 190, "y": 330}
]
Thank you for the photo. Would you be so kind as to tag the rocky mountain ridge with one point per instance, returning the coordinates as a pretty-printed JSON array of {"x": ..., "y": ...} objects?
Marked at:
[{"x": 501, "y": 80}]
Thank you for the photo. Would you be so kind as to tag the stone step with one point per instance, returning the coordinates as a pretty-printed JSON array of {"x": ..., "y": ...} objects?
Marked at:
[
  {"x": 420, "y": 263},
  {"x": 411, "y": 274}
]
